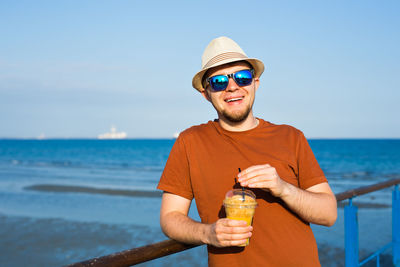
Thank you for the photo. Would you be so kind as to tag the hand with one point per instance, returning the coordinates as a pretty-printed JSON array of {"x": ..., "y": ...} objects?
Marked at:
[
  {"x": 264, "y": 177},
  {"x": 226, "y": 233}
]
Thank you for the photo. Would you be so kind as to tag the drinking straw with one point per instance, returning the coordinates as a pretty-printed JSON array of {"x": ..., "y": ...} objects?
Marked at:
[{"x": 242, "y": 190}]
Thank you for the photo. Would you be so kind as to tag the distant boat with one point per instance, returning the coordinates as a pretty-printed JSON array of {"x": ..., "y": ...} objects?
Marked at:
[
  {"x": 41, "y": 137},
  {"x": 176, "y": 135},
  {"x": 113, "y": 134}
]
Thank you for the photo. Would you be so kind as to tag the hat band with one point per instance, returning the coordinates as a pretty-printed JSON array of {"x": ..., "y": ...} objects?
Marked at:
[{"x": 222, "y": 57}]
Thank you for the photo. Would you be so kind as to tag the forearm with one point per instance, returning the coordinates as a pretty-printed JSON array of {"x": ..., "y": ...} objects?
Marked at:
[
  {"x": 314, "y": 207},
  {"x": 177, "y": 225},
  {"x": 317, "y": 204},
  {"x": 182, "y": 228}
]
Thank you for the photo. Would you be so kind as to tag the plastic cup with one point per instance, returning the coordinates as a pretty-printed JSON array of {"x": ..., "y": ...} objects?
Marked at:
[{"x": 240, "y": 205}]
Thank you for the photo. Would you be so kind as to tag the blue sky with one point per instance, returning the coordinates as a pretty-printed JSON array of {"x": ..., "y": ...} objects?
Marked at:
[{"x": 74, "y": 68}]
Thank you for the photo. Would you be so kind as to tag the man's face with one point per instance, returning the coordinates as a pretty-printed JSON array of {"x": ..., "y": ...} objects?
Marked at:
[{"x": 235, "y": 103}]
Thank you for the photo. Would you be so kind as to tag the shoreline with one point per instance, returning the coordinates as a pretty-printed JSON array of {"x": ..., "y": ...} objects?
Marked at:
[{"x": 92, "y": 190}]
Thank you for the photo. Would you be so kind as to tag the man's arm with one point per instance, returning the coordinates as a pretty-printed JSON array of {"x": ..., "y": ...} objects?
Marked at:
[
  {"x": 316, "y": 204},
  {"x": 177, "y": 225}
]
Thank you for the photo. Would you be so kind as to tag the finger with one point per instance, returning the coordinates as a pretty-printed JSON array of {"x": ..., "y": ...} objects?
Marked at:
[
  {"x": 234, "y": 223},
  {"x": 256, "y": 179},
  {"x": 239, "y": 243},
  {"x": 264, "y": 170},
  {"x": 251, "y": 168},
  {"x": 258, "y": 185},
  {"x": 234, "y": 230},
  {"x": 267, "y": 178},
  {"x": 233, "y": 243},
  {"x": 232, "y": 227},
  {"x": 234, "y": 237}
]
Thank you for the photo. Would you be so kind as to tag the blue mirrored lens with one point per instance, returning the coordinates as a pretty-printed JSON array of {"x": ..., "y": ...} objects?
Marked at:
[
  {"x": 219, "y": 82},
  {"x": 243, "y": 77}
]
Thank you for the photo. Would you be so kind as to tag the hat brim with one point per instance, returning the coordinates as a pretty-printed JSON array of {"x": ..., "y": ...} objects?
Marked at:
[{"x": 257, "y": 64}]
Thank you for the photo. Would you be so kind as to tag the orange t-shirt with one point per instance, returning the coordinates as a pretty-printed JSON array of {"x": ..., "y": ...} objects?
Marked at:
[{"x": 203, "y": 164}]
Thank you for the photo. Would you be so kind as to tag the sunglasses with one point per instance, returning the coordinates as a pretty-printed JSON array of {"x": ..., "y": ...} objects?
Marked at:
[{"x": 241, "y": 78}]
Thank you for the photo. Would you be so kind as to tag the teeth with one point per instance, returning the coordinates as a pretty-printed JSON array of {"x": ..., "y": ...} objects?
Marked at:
[{"x": 233, "y": 99}]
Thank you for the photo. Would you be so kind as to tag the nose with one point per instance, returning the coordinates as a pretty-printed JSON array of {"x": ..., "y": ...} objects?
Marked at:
[{"x": 232, "y": 85}]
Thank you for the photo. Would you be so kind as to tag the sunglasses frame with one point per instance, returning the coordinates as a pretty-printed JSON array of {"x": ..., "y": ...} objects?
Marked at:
[{"x": 231, "y": 75}]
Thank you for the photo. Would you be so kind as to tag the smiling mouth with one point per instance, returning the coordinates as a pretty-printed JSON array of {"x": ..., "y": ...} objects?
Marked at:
[{"x": 233, "y": 99}]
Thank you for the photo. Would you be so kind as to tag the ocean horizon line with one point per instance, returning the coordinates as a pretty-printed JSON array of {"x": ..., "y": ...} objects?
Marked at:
[
  {"x": 85, "y": 138},
  {"x": 172, "y": 138}
]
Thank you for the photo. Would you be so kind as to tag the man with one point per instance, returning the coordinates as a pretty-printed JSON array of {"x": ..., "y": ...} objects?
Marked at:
[{"x": 277, "y": 165}]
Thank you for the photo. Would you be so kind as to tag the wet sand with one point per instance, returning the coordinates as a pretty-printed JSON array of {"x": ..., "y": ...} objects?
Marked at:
[
  {"x": 56, "y": 242},
  {"x": 92, "y": 190}
]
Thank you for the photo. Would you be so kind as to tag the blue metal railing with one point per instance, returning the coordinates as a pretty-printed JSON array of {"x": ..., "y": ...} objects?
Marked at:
[{"x": 351, "y": 234}]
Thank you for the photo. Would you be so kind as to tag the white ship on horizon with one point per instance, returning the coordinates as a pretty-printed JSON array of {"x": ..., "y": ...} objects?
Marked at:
[
  {"x": 113, "y": 134},
  {"x": 176, "y": 134}
]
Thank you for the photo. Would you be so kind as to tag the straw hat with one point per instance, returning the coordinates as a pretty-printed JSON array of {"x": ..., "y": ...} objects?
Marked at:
[{"x": 223, "y": 50}]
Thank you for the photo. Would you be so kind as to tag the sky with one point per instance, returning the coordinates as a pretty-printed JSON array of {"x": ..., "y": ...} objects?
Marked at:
[{"x": 73, "y": 69}]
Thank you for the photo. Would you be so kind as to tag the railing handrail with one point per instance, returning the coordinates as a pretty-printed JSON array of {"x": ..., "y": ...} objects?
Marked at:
[
  {"x": 157, "y": 250},
  {"x": 136, "y": 255},
  {"x": 365, "y": 189}
]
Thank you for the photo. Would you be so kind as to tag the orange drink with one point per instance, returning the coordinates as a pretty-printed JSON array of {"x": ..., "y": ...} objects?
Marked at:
[{"x": 240, "y": 205}]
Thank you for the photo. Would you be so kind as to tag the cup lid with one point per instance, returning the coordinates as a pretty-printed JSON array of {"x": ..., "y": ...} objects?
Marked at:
[{"x": 240, "y": 192}]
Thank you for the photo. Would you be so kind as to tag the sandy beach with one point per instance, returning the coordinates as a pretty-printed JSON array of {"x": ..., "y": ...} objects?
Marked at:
[
  {"x": 93, "y": 190},
  {"x": 56, "y": 242}
]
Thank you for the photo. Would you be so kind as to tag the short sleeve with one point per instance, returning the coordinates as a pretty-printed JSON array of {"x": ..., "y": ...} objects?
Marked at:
[
  {"x": 175, "y": 178},
  {"x": 309, "y": 171}
]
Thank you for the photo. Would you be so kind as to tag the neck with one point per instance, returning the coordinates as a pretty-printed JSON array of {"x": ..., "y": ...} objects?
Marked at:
[{"x": 247, "y": 124}]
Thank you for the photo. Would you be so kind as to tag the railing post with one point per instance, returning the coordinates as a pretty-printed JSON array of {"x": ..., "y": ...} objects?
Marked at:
[
  {"x": 351, "y": 234},
  {"x": 396, "y": 225}
]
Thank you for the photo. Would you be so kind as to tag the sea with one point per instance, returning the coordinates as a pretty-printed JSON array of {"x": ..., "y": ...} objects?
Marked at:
[{"x": 68, "y": 200}]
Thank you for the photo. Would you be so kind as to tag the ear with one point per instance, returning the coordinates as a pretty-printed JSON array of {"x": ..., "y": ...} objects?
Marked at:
[
  {"x": 256, "y": 83},
  {"x": 206, "y": 95}
]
